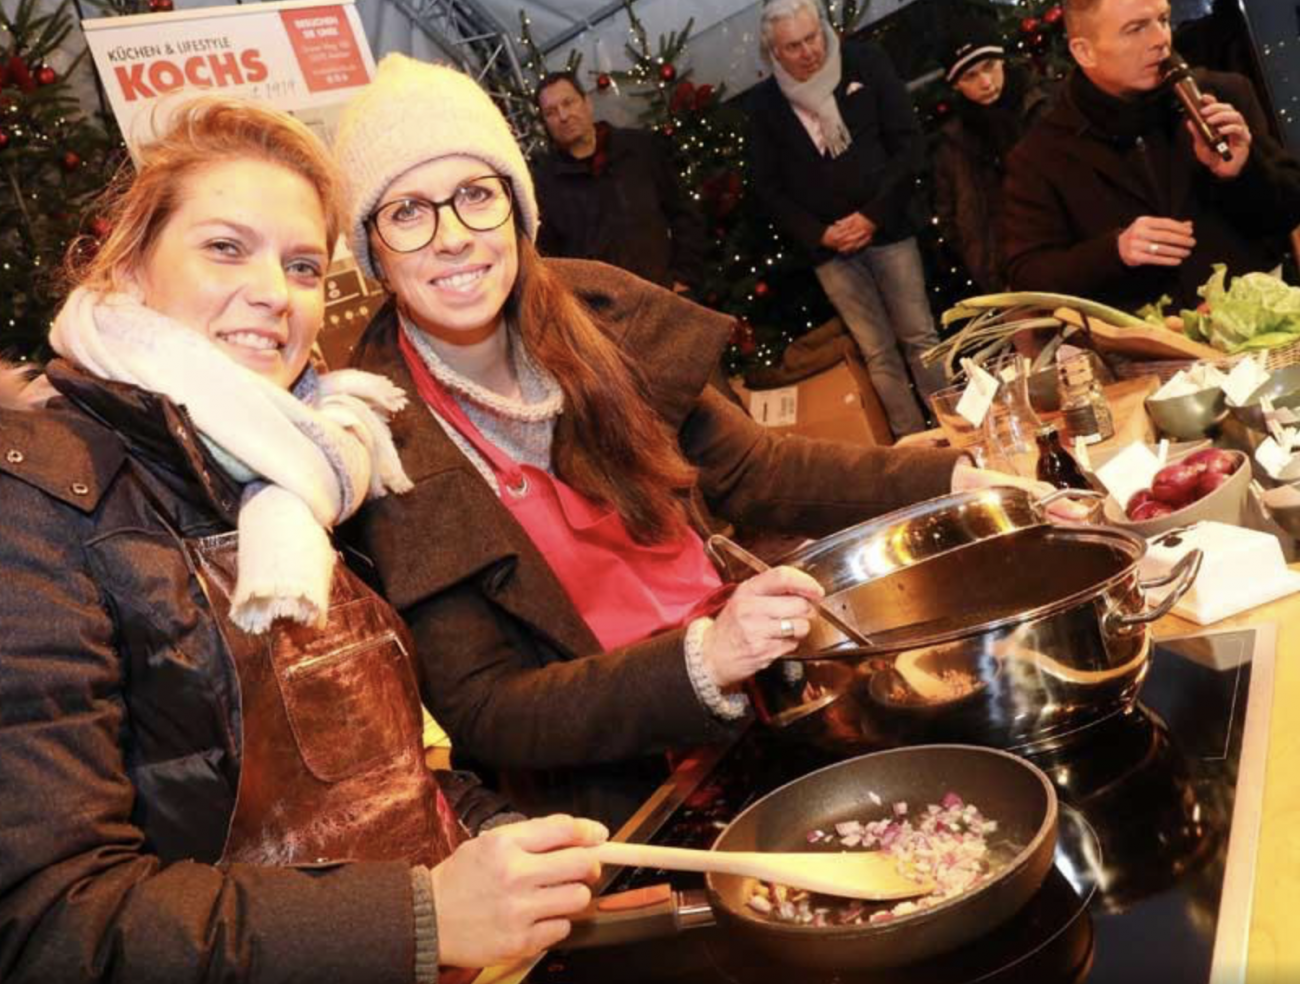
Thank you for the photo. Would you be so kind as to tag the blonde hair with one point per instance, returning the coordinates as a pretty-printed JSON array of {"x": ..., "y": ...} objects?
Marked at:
[{"x": 199, "y": 132}]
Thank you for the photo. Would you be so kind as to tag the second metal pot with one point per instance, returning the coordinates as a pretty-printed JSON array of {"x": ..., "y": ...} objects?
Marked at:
[{"x": 1013, "y": 639}]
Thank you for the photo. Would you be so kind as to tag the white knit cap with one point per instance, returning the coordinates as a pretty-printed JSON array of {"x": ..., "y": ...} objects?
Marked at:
[{"x": 412, "y": 113}]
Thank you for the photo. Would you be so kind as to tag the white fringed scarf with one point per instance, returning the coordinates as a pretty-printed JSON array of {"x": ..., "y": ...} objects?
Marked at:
[
  {"x": 306, "y": 459},
  {"x": 816, "y": 95}
]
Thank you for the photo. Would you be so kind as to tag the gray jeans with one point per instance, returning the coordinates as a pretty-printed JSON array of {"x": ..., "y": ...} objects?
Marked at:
[{"x": 880, "y": 293}]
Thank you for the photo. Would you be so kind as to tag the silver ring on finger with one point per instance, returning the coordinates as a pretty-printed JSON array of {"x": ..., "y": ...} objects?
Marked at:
[
  {"x": 1154, "y": 247},
  {"x": 787, "y": 629}
]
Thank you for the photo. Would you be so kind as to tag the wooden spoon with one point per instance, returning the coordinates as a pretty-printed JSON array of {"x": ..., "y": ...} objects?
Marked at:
[{"x": 850, "y": 874}]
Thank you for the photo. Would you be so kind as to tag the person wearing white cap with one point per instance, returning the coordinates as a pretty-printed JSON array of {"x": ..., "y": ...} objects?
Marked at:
[{"x": 566, "y": 445}]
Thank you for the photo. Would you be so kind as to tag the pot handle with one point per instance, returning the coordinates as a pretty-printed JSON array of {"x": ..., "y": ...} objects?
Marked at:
[
  {"x": 641, "y": 914},
  {"x": 1184, "y": 573}
]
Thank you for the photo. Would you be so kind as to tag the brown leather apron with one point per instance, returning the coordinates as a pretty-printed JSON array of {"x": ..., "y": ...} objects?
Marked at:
[{"x": 331, "y": 766}]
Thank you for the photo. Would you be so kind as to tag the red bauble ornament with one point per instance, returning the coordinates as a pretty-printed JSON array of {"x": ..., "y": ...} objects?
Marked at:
[
  {"x": 667, "y": 71},
  {"x": 761, "y": 289},
  {"x": 669, "y": 129},
  {"x": 161, "y": 6},
  {"x": 683, "y": 98},
  {"x": 703, "y": 96},
  {"x": 1029, "y": 25},
  {"x": 46, "y": 75},
  {"x": 1054, "y": 15},
  {"x": 4, "y": 139},
  {"x": 942, "y": 109},
  {"x": 20, "y": 75},
  {"x": 71, "y": 161},
  {"x": 603, "y": 81},
  {"x": 100, "y": 227}
]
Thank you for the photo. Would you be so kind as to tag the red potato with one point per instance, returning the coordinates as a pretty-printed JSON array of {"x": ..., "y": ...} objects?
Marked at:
[
  {"x": 1176, "y": 484},
  {"x": 1213, "y": 460},
  {"x": 1136, "y": 501},
  {"x": 1209, "y": 481},
  {"x": 1151, "y": 509}
]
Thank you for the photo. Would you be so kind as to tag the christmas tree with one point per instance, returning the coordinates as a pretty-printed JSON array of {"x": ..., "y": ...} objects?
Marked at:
[
  {"x": 54, "y": 161},
  {"x": 754, "y": 275}
]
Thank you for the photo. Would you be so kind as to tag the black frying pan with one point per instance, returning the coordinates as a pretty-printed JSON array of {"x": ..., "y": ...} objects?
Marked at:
[{"x": 1005, "y": 788}]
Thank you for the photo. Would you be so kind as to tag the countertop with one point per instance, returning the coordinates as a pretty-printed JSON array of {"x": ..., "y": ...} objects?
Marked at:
[{"x": 1274, "y": 954}]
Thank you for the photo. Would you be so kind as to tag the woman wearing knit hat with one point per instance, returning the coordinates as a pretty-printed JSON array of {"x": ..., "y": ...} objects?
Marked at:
[
  {"x": 549, "y": 560},
  {"x": 210, "y": 742},
  {"x": 995, "y": 104}
]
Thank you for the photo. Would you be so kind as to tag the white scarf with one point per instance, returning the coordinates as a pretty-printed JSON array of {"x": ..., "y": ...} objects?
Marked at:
[
  {"x": 307, "y": 461},
  {"x": 816, "y": 95}
]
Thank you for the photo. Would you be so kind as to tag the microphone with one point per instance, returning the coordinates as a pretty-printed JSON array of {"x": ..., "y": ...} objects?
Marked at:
[{"x": 1179, "y": 77}]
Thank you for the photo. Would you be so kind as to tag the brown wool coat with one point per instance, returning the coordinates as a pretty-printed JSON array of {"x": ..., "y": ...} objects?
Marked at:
[{"x": 509, "y": 667}]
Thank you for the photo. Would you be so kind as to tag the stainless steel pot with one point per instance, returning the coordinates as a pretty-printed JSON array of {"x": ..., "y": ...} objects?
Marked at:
[{"x": 986, "y": 625}]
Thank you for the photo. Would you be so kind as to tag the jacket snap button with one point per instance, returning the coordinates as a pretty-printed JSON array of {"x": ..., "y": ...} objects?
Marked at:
[
  {"x": 14, "y": 457},
  {"x": 79, "y": 488}
]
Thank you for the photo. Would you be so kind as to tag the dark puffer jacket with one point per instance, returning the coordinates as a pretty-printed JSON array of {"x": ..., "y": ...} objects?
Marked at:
[
  {"x": 968, "y": 173},
  {"x": 121, "y": 726}
]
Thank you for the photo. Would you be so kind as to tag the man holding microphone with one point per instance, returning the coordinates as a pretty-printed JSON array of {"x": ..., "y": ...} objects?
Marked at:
[{"x": 1117, "y": 195}]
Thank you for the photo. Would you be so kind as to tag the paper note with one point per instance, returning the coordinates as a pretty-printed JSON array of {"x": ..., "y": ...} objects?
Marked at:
[
  {"x": 978, "y": 396},
  {"x": 1130, "y": 471},
  {"x": 1273, "y": 456},
  {"x": 775, "y": 408},
  {"x": 1247, "y": 376}
]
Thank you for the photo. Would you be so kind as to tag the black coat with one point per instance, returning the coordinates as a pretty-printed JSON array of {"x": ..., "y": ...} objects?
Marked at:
[
  {"x": 1071, "y": 190},
  {"x": 634, "y": 214},
  {"x": 968, "y": 173},
  {"x": 121, "y": 727},
  {"x": 806, "y": 191}
]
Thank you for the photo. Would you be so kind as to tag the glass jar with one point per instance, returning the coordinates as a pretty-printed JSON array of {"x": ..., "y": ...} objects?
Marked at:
[
  {"x": 1085, "y": 412},
  {"x": 1011, "y": 429}
]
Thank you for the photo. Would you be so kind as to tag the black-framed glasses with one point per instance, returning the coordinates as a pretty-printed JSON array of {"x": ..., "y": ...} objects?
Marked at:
[{"x": 480, "y": 204}]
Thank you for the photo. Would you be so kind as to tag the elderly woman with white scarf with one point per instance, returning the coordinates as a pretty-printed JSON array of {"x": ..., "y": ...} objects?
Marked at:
[{"x": 209, "y": 728}]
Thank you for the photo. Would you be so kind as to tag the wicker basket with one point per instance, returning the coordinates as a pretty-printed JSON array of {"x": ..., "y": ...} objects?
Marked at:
[{"x": 1166, "y": 369}]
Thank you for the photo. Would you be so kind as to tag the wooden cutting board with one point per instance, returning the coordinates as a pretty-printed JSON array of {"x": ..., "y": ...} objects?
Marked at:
[{"x": 1141, "y": 342}]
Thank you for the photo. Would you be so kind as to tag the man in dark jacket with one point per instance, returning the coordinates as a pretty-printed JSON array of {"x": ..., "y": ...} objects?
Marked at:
[
  {"x": 612, "y": 194},
  {"x": 1113, "y": 196},
  {"x": 836, "y": 149}
]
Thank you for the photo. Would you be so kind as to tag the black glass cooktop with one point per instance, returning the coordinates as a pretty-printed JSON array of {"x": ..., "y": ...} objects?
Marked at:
[{"x": 1154, "y": 864}]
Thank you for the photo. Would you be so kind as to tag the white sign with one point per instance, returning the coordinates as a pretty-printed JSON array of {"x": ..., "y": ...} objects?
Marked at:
[
  {"x": 775, "y": 408},
  {"x": 305, "y": 57}
]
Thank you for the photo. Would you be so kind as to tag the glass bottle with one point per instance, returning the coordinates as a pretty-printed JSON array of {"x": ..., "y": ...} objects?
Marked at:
[
  {"x": 1083, "y": 404},
  {"x": 1056, "y": 466},
  {"x": 1010, "y": 429}
]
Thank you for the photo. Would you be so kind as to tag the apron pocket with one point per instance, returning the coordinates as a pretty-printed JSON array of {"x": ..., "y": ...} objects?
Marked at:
[{"x": 351, "y": 707}]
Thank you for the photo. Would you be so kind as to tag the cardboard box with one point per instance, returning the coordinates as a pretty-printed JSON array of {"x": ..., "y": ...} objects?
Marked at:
[{"x": 837, "y": 404}]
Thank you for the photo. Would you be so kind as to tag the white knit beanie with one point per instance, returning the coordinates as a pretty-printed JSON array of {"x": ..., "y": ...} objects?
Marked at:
[{"x": 413, "y": 113}]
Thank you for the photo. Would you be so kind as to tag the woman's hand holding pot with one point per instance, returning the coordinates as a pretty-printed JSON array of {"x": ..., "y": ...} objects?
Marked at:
[
  {"x": 763, "y": 621},
  {"x": 505, "y": 894}
]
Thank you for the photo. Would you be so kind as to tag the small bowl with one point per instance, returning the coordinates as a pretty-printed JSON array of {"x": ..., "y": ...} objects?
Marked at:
[
  {"x": 1283, "y": 387},
  {"x": 1188, "y": 417},
  {"x": 1226, "y": 504},
  {"x": 1283, "y": 506}
]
